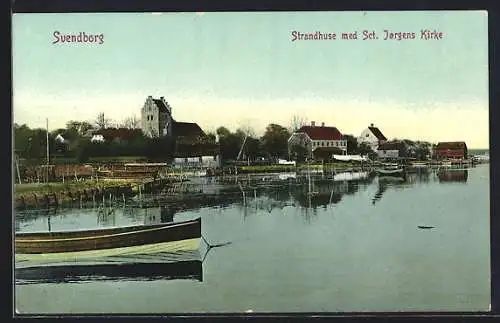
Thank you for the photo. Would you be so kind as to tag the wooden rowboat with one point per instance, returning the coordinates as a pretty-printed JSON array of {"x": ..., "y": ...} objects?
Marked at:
[
  {"x": 80, "y": 245},
  {"x": 391, "y": 172}
]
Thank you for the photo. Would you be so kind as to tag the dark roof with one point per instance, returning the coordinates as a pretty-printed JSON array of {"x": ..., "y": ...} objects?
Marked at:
[
  {"x": 321, "y": 132},
  {"x": 120, "y": 133},
  {"x": 324, "y": 150},
  {"x": 161, "y": 105},
  {"x": 187, "y": 150},
  {"x": 451, "y": 145},
  {"x": 184, "y": 129},
  {"x": 377, "y": 133},
  {"x": 395, "y": 145}
]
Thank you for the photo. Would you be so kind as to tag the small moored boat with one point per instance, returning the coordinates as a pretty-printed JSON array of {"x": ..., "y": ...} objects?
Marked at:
[
  {"x": 79, "y": 245},
  {"x": 393, "y": 171}
]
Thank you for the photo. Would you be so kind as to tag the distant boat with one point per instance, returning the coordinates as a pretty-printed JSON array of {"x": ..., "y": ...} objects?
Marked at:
[
  {"x": 425, "y": 227},
  {"x": 483, "y": 158},
  {"x": 418, "y": 164},
  {"x": 77, "y": 245}
]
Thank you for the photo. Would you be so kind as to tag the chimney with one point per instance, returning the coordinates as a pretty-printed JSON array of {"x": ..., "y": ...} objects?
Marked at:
[
  {"x": 322, "y": 124},
  {"x": 313, "y": 123},
  {"x": 162, "y": 98},
  {"x": 371, "y": 124}
]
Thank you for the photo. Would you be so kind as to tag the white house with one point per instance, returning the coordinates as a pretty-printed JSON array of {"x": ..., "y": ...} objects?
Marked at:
[
  {"x": 97, "y": 138},
  {"x": 318, "y": 139},
  {"x": 372, "y": 136},
  {"x": 60, "y": 139}
]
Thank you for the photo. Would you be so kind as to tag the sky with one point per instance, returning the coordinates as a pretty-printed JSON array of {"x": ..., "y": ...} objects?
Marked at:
[{"x": 244, "y": 69}]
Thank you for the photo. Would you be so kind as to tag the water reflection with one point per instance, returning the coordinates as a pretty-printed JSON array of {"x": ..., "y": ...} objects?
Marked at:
[
  {"x": 254, "y": 194},
  {"x": 160, "y": 266},
  {"x": 453, "y": 175}
]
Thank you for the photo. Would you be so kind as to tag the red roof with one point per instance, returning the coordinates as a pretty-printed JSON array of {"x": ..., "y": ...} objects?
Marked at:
[
  {"x": 321, "y": 132},
  {"x": 451, "y": 145}
]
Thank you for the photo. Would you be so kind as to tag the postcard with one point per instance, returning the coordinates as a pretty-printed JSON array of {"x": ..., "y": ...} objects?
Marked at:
[{"x": 251, "y": 162}]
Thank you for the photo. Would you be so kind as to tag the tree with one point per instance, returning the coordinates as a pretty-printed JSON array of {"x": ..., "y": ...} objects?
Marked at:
[
  {"x": 131, "y": 123},
  {"x": 101, "y": 121},
  {"x": 365, "y": 150},
  {"x": 297, "y": 122},
  {"x": 78, "y": 128},
  {"x": 298, "y": 153},
  {"x": 422, "y": 150},
  {"x": 252, "y": 148},
  {"x": 352, "y": 144},
  {"x": 222, "y": 132},
  {"x": 210, "y": 136},
  {"x": 275, "y": 141},
  {"x": 246, "y": 130}
]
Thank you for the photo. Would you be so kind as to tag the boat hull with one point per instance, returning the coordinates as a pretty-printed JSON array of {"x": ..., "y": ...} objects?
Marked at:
[
  {"x": 77, "y": 256},
  {"x": 391, "y": 172},
  {"x": 125, "y": 239}
]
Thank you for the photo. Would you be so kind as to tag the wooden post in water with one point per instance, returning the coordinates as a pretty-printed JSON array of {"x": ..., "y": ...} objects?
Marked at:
[
  {"x": 17, "y": 167},
  {"x": 48, "y": 162}
]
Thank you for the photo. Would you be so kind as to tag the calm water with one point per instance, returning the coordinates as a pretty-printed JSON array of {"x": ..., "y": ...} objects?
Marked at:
[{"x": 352, "y": 245}]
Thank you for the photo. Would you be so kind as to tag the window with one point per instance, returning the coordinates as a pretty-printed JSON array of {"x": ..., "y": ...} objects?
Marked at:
[
  {"x": 367, "y": 135},
  {"x": 323, "y": 143}
]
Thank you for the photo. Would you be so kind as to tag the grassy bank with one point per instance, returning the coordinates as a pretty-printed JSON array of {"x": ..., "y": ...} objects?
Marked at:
[{"x": 45, "y": 188}]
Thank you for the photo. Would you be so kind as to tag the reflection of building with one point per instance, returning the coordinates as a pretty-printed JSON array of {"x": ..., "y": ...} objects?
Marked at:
[
  {"x": 372, "y": 136},
  {"x": 318, "y": 140},
  {"x": 453, "y": 175}
]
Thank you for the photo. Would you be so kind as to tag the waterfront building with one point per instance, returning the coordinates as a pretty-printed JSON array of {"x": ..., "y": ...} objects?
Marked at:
[
  {"x": 319, "y": 141},
  {"x": 372, "y": 136},
  {"x": 453, "y": 150}
]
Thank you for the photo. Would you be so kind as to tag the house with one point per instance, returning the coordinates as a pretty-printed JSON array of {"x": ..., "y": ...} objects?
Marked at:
[
  {"x": 393, "y": 150},
  {"x": 372, "y": 136},
  {"x": 61, "y": 143},
  {"x": 114, "y": 134},
  {"x": 454, "y": 150},
  {"x": 319, "y": 141}
]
